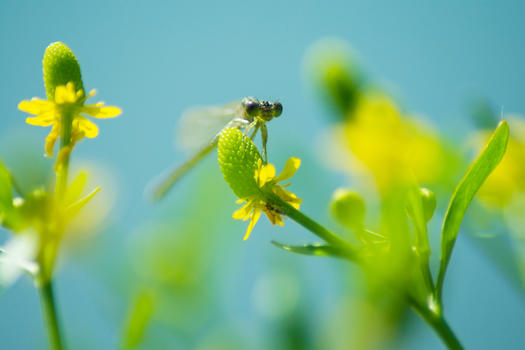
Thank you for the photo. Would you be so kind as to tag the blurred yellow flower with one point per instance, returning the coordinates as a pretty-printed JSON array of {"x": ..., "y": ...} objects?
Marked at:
[
  {"x": 265, "y": 178},
  {"x": 67, "y": 100},
  {"x": 390, "y": 145}
]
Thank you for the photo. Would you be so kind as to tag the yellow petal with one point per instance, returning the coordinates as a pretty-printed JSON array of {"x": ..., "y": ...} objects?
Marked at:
[
  {"x": 76, "y": 135},
  {"x": 63, "y": 154},
  {"x": 266, "y": 174},
  {"x": 274, "y": 217},
  {"x": 36, "y": 106},
  {"x": 89, "y": 128},
  {"x": 51, "y": 140},
  {"x": 65, "y": 94},
  {"x": 291, "y": 166},
  {"x": 255, "y": 217},
  {"x": 243, "y": 213},
  {"x": 60, "y": 94},
  {"x": 97, "y": 111},
  {"x": 271, "y": 215},
  {"x": 45, "y": 119},
  {"x": 288, "y": 196}
]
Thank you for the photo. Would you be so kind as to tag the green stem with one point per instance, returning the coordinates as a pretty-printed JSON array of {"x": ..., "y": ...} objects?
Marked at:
[
  {"x": 65, "y": 141},
  {"x": 427, "y": 274},
  {"x": 328, "y": 236},
  {"x": 434, "y": 319},
  {"x": 47, "y": 302},
  {"x": 47, "y": 254}
]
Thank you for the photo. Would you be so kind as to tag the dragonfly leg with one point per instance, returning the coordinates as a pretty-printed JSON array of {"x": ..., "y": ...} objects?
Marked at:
[
  {"x": 249, "y": 127},
  {"x": 264, "y": 137},
  {"x": 255, "y": 131}
]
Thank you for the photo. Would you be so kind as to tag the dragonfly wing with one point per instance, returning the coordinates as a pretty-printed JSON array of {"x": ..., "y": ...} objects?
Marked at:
[
  {"x": 198, "y": 125},
  {"x": 163, "y": 183}
]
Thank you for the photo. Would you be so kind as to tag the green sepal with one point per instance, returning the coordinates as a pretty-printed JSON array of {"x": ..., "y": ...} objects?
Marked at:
[
  {"x": 60, "y": 67},
  {"x": 238, "y": 158}
]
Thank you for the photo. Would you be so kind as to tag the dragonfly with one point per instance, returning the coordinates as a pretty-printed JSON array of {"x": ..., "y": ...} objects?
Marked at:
[{"x": 200, "y": 127}]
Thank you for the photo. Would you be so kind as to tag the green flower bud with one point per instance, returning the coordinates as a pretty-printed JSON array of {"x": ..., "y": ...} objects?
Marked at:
[
  {"x": 333, "y": 68},
  {"x": 428, "y": 202},
  {"x": 60, "y": 67},
  {"x": 428, "y": 198},
  {"x": 238, "y": 158},
  {"x": 341, "y": 88},
  {"x": 348, "y": 208}
]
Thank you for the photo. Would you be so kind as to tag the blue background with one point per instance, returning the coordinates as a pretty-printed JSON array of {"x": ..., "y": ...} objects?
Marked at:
[{"x": 154, "y": 59}]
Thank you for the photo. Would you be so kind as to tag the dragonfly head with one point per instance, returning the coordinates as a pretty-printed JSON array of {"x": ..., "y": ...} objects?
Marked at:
[
  {"x": 277, "y": 109},
  {"x": 250, "y": 106}
]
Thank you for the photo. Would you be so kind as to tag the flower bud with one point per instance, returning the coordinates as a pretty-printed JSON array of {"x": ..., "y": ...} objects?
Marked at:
[
  {"x": 60, "y": 67},
  {"x": 336, "y": 75},
  {"x": 428, "y": 199},
  {"x": 348, "y": 208},
  {"x": 238, "y": 158},
  {"x": 428, "y": 202}
]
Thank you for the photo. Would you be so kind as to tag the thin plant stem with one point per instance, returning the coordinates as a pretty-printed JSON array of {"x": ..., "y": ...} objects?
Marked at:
[
  {"x": 438, "y": 323},
  {"x": 47, "y": 301},
  {"x": 44, "y": 281},
  {"x": 328, "y": 236},
  {"x": 63, "y": 153}
]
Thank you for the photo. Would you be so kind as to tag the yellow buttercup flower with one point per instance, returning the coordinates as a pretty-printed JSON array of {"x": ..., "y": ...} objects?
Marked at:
[
  {"x": 67, "y": 101},
  {"x": 267, "y": 181}
]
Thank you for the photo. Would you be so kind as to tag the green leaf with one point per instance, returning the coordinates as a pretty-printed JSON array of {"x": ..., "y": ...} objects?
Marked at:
[
  {"x": 317, "y": 249},
  {"x": 74, "y": 208},
  {"x": 139, "y": 316},
  {"x": 6, "y": 189},
  {"x": 476, "y": 175}
]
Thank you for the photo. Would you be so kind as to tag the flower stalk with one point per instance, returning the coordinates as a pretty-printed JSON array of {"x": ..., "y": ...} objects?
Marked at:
[
  {"x": 320, "y": 231},
  {"x": 64, "y": 110},
  {"x": 49, "y": 310},
  {"x": 433, "y": 316}
]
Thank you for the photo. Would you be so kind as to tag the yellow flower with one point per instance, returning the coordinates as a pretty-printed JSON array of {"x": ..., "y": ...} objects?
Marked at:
[
  {"x": 266, "y": 180},
  {"x": 66, "y": 100}
]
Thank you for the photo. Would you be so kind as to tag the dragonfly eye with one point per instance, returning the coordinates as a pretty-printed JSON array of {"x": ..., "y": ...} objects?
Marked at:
[
  {"x": 251, "y": 107},
  {"x": 277, "y": 109}
]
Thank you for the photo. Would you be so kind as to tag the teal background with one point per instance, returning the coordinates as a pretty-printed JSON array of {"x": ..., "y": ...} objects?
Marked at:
[{"x": 154, "y": 59}]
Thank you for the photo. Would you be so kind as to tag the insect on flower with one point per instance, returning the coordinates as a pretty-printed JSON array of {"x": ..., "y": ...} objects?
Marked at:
[{"x": 199, "y": 128}]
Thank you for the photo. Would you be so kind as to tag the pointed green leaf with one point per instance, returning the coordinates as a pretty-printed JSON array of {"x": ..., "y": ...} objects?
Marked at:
[
  {"x": 6, "y": 189},
  {"x": 74, "y": 208},
  {"x": 139, "y": 316},
  {"x": 488, "y": 159},
  {"x": 317, "y": 249}
]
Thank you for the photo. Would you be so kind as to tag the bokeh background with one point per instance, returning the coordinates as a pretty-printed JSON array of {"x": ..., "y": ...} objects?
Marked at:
[{"x": 185, "y": 256}]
